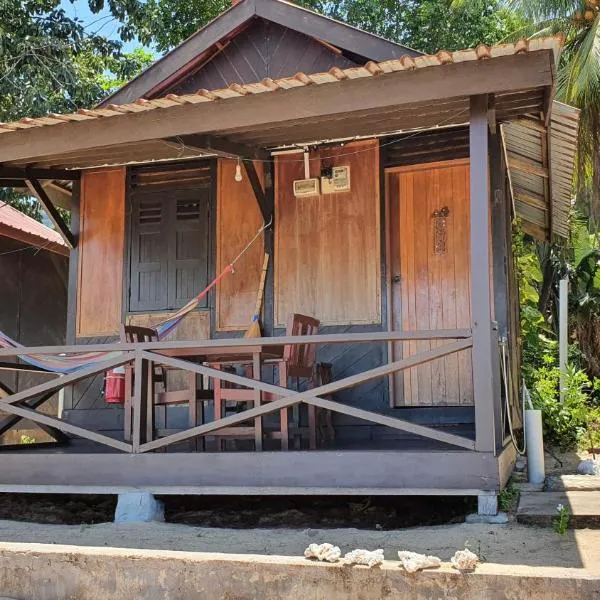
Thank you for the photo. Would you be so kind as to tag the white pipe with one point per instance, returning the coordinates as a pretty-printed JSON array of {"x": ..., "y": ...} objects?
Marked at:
[
  {"x": 535, "y": 446},
  {"x": 306, "y": 165},
  {"x": 563, "y": 333}
]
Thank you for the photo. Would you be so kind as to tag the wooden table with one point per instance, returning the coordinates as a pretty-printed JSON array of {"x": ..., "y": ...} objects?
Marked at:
[{"x": 254, "y": 355}]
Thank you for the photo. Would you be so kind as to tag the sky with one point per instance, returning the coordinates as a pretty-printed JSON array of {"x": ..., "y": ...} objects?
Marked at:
[{"x": 103, "y": 22}]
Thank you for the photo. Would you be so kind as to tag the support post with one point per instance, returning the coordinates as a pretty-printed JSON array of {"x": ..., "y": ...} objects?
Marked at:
[
  {"x": 563, "y": 333},
  {"x": 485, "y": 388}
]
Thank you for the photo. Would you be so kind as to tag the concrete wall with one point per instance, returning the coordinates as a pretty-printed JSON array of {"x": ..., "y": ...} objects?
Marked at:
[{"x": 38, "y": 572}]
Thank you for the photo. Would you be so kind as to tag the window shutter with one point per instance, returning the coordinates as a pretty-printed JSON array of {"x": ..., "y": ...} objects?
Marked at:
[
  {"x": 149, "y": 255},
  {"x": 188, "y": 246},
  {"x": 169, "y": 235}
]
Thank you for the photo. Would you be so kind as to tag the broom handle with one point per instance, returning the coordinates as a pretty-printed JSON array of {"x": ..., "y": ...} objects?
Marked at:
[{"x": 261, "y": 288}]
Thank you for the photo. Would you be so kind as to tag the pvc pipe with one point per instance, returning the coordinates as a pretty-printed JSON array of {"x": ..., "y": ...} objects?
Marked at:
[
  {"x": 535, "y": 446},
  {"x": 563, "y": 333}
]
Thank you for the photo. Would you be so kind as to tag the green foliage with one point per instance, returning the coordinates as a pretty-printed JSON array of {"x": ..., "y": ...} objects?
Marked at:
[
  {"x": 561, "y": 523},
  {"x": 426, "y": 25},
  {"x": 27, "y": 439},
  {"x": 565, "y": 422},
  {"x": 50, "y": 63},
  {"x": 508, "y": 498}
]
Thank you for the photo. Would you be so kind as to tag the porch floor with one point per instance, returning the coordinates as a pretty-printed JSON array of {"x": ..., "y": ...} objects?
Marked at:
[{"x": 396, "y": 467}]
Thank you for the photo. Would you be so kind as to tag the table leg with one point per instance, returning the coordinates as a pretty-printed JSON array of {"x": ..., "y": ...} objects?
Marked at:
[
  {"x": 283, "y": 413},
  {"x": 193, "y": 409},
  {"x": 258, "y": 429},
  {"x": 127, "y": 405}
]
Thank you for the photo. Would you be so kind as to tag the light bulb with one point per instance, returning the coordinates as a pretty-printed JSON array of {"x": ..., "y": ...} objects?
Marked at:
[{"x": 238, "y": 172}]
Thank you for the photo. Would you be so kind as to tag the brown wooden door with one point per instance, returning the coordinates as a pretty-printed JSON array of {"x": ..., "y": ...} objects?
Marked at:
[{"x": 429, "y": 247}]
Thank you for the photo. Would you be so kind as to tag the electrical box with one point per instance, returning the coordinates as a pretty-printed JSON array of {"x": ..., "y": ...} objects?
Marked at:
[
  {"x": 306, "y": 187},
  {"x": 339, "y": 181}
]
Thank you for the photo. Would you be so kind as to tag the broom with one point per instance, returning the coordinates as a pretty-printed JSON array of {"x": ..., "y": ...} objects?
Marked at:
[{"x": 254, "y": 330}]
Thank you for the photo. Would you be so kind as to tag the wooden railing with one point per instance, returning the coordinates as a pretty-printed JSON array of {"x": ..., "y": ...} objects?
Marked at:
[{"x": 23, "y": 404}]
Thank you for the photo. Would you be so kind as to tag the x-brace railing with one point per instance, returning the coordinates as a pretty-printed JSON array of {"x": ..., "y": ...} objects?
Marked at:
[
  {"x": 290, "y": 397},
  {"x": 12, "y": 404},
  {"x": 21, "y": 405}
]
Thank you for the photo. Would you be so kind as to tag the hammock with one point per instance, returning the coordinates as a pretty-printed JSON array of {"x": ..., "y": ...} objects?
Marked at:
[{"x": 70, "y": 364}]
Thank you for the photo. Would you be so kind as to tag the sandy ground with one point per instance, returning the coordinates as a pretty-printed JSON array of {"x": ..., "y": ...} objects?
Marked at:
[{"x": 511, "y": 544}]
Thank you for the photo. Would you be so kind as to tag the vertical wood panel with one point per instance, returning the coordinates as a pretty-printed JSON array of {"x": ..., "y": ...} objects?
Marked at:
[
  {"x": 327, "y": 247},
  {"x": 434, "y": 288},
  {"x": 101, "y": 246},
  {"x": 238, "y": 220}
]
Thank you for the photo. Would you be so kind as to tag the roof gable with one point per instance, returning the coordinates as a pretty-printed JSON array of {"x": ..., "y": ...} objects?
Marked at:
[
  {"x": 200, "y": 49},
  {"x": 263, "y": 50}
]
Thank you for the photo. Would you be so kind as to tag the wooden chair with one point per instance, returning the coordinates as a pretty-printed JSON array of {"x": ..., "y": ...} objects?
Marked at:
[
  {"x": 161, "y": 396},
  {"x": 298, "y": 362}
]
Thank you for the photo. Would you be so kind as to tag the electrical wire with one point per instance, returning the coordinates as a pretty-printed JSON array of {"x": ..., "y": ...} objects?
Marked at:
[
  {"x": 184, "y": 147},
  {"x": 505, "y": 373}
]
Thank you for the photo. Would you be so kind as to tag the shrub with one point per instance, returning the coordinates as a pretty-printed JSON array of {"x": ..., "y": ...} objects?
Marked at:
[{"x": 567, "y": 422}]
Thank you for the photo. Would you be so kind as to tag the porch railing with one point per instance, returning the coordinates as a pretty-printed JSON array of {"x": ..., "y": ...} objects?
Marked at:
[{"x": 23, "y": 404}]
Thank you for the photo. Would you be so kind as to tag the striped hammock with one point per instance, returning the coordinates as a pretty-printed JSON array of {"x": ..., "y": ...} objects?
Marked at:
[{"x": 71, "y": 363}]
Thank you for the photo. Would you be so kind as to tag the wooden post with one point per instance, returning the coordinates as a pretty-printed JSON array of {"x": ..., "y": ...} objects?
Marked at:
[
  {"x": 484, "y": 351},
  {"x": 140, "y": 395}
]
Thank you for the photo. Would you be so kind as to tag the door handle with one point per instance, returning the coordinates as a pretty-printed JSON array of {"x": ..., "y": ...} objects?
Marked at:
[{"x": 396, "y": 279}]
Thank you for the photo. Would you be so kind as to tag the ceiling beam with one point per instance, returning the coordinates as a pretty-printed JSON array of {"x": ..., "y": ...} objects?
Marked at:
[
  {"x": 220, "y": 146},
  {"x": 394, "y": 90},
  {"x": 36, "y": 188}
]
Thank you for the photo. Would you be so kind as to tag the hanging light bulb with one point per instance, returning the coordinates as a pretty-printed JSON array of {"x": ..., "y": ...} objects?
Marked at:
[{"x": 238, "y": 171}]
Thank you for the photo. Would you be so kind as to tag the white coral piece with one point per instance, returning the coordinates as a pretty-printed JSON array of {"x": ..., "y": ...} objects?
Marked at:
[
  {"x": 589, "y": 467},
  {"x": 370, "y": 558},
  {"x": 464, "y": 560},
  {"x": 413, "y": 561},
  {"x": 323, "y": 552}
]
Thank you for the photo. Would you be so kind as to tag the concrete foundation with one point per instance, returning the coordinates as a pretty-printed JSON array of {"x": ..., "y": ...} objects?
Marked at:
[
  {"x": 44, "y": 572},
  {"x": 487, "y": 504},
  {"x": 139, "y": 507}
]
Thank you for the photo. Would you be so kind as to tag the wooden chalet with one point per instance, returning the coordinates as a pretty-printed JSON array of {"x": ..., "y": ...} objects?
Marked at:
[{"x": 389, "y": 182}]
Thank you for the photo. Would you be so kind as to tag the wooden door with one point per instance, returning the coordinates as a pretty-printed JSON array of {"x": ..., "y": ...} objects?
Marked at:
[{"x": 429, "y": 260}]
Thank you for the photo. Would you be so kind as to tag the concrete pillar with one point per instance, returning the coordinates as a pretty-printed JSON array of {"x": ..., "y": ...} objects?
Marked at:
[
  {"x": 139, "y": 507},
  {"x": 487, "y": 504}
]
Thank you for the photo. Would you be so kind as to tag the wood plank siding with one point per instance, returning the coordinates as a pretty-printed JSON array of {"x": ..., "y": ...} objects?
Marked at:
[
  {"x": 238, "y": 220},
  {"x": 262, "y": 49},
  {"x": 327, "y": 247},
  {"x": 33, "y": 311},
  {"x": 431, "y": 283},
  {"x": 101, "y": 241}
]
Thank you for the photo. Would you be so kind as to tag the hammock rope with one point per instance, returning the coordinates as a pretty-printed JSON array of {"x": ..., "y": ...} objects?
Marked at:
[{"x": 71, "y": 363}]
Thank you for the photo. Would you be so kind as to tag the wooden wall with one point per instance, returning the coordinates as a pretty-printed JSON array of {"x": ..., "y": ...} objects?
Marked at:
[
  {"x": 33, "y": 311},
  {"x": 101, "y": 248},
  {"x": 327, "y": 247},
  {"x": 238, "y": 220}
]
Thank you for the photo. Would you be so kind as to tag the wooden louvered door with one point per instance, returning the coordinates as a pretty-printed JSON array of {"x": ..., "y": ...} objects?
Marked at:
[
  {"x": 149, "y": 254},
  {"x": 169, "y": 247},
  {"x": 188, "y": 247},
  {"x": 429, "y": 246}
]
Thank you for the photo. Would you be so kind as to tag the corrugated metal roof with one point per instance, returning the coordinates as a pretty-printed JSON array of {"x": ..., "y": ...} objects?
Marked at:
[
  {"x": 27, "y": 229},
  {"x": 541, "y": 162},
  {"x": 334, "y": 75}
]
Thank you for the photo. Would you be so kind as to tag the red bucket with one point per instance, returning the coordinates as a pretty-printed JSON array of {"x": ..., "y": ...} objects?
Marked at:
[{"x": 114, "y": 386}]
